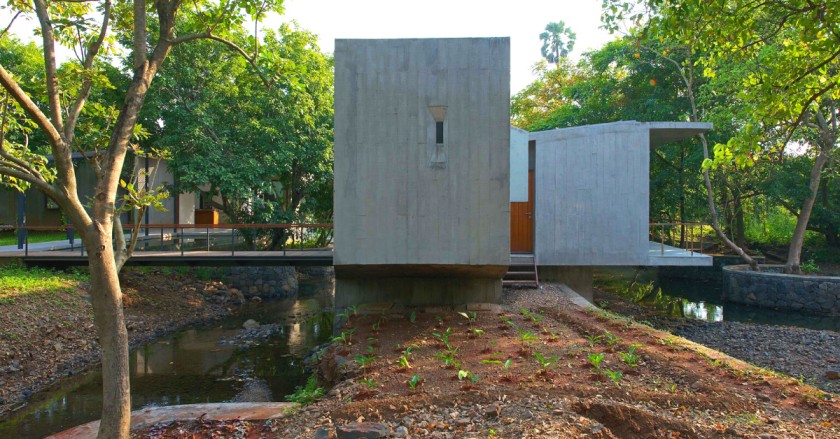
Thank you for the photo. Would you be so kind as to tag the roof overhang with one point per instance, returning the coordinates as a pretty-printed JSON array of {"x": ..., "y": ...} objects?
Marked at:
[{"x": 662, "y": 133}]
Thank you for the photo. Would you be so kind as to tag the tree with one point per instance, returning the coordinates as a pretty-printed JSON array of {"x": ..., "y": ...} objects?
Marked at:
[
  {"x": 790, "y": 81},
  {"x": 558, "y": 41},
  {"x": 91, "y": 28},
  {"x": 261, "y": 151}
]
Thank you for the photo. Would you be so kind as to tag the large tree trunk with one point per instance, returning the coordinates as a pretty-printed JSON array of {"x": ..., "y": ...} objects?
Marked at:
[
  {"x": 798, "y": 238},
  {"x": 106, "y": 298}
]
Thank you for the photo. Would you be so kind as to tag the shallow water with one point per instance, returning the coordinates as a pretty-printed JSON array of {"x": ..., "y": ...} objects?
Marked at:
[
  {"x": 192, "y": 367},
  {"x": 702, "y": 300}
]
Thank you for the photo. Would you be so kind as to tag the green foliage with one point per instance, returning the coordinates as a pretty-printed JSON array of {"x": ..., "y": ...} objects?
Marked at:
[
  {"x": 558, "y": 40},
  {"x": 448, "y": 358},
  {"x": 610, "y": 339},
  {"x": 545, "y": 362},
  {"x": 614, "y": 375},
  {"x": 595, "y": 359},
  {"x": 345, "y": 338},
  {"x": 305, "y": 395},
  {"x": 470, "y": 316},
  {"x": 809, "y": 267},
  {"x": 414, "y": 381},
  {"x": 444, "y": 337},
  {"x": 630, "y": 357},
  {"x": 369, "y": 382},
  {"x": 412, "y": 317}
]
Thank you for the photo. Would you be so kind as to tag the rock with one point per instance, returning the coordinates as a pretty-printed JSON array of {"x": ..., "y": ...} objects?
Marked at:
[
  {"x": 256, "y": 299},
  {"x": 492, "y": 410},
  {"x": 358, "y": 430},
  {"x": 250, "y": 324},
  {"x": 833, "y": 373},
  {"x": 321, "y": 433}
]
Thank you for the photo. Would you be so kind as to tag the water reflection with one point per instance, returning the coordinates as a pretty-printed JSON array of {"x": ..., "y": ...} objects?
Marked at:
[
  {"x": 192, "y": 367},
  {"x": 700, "y": 300}
]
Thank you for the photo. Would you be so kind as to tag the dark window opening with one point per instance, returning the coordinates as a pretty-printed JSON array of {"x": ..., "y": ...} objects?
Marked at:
[{"x": 438, "y": 132}]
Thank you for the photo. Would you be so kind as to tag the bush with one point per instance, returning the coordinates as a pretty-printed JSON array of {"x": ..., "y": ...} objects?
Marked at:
[{"x": 307, "y": 394}]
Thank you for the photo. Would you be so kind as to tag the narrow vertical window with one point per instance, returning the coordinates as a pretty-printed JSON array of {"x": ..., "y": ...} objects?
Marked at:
[{"x": 439, "y": 133}]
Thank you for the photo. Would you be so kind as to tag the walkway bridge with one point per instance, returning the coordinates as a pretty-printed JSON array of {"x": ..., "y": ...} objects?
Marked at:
[{"x": 191, "y": 245}]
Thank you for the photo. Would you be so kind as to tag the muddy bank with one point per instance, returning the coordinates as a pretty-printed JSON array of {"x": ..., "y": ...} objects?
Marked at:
[
  {"x": 49, "y": 336},
  {"x": 806, "y": 354}
]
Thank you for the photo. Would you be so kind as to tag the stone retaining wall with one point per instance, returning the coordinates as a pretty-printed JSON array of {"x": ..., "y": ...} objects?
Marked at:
[
  {"x": 773, "y": 289},
  {"x": 264, "y": 281},
  {"x": 712, "y": 273}
]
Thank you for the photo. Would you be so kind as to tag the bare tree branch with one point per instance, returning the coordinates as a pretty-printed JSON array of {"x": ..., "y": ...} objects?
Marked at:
[
  {"x": 10, "y": 23},
  {"x": 209, "y": 36}
]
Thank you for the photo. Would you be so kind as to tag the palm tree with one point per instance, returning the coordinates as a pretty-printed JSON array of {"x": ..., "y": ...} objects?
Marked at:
[{"x": 554, "y": 47}]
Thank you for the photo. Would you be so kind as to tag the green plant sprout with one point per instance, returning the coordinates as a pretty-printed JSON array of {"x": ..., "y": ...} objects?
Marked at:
[
  {"x": 403, "y": 360},
  {"x": 369, "y": 382},
  {"x": 630, "y": 357},
  {"x": 373, "y": 341},
  {"x": 610, "y": 339},
  {"x": 415, "y": 381},
  {"x": 526, "y": 338},
  {"x": 375, "y": 327},
  {"x": 465, "y": 374},
  {"x": 593, "y": 340},
  {"x": 444, "y": 337},
  {"x": 470, "y": 316},
  {"x": 345, "y": 338},
  {"x": 614, "y": 375},
  {"x": 412, "y": 317},
  {"x": 448, "y": 359},
  {"x": 365, "y": 361},
  {"x": 596, "y": 359},
  {"x": 506, "y": 321},
  {"x": 545, "y": 363},
  {"x": 476, "y": 332}
]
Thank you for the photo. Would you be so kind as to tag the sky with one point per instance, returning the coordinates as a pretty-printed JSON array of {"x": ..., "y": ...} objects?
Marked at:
[{"x": 521, "y": 20}]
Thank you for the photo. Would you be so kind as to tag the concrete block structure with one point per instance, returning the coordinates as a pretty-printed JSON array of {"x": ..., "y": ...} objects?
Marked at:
[
  {"x": 422, "y": 162},
  {"x": 590, "y": 198}
]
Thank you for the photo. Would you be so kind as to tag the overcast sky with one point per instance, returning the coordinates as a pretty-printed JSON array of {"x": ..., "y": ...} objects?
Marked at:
[{"x": 521, "y": 20}]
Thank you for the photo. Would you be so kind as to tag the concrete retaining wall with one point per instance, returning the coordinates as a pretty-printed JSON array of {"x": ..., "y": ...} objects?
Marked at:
[{"x": 773, "y": 289}]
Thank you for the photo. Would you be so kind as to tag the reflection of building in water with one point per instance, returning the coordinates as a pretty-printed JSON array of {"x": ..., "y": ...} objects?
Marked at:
[{"x": 190, "y": 353}]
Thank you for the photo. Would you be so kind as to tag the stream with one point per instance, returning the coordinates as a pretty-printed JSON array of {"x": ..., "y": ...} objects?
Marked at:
[
  {"x": 701, "y": 300},
  {"x": 191, "y": 366}
]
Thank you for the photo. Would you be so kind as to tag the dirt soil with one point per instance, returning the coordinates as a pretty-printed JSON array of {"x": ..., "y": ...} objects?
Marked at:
[
  {"x": 48, "y": 336},
  {"x": 673, "y": 389}
]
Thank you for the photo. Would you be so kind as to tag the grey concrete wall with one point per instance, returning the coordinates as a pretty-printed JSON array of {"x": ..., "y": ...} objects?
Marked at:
[
  {"x": 416, "y": 291},
  {"x": 578, "y": 278},
  {"x": 591, "y": 195},
  {"x": 161, "y": 174},
  {"x": 518, "y": 165},
  {"x": 392, "y": 204}
]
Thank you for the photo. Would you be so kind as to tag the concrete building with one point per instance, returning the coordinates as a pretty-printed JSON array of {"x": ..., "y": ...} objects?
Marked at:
[
  {"x": 422, "y": 160},
  {"x": 589, "y": 192}
]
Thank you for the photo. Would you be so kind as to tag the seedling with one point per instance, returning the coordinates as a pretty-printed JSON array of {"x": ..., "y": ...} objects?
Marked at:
[
  {"x": 470, "y": 316},
  {"x": 630, "y": 357},
  {"x": 349, "y": 312},
  {"x": 403, "y": 360},
  {"x": 439, "y": 320},
  {"x": 375, "y": 327},
  {"x": 506, "y": 322},
  {"x": 465, "y": 374},
  {"x": 373, "y": 341},
  {"x": 476, "y": 332},
  {"x": 369, "y": 382},
  {"x": 614, "y": 375},
  {"x": 444, "y": 337},
  {"x": 365, "y": 361},
  {"x": 415, "y": 381},
  {"x": 345, "y": 338},
  {"x": 526, "y": 338},
  {"x": 412, "y": 317},
  {"x": 596, "y": 359},
  {"x": 611, "y": 339},
  {"x": 448, "y": 359},
  {"x": 593, "y": 339},
  {"x": 545, "y": 362}
]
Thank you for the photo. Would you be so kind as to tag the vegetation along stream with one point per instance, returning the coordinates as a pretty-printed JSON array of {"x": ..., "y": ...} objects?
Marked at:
[
  {"x": 702, "y": 300},
  {"x": 198, "y": 365}
]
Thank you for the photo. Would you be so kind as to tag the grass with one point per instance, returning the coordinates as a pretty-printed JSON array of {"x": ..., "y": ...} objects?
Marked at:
[
  {"x": 10, "y": 237},
  {"x": 17, "y": 280}
]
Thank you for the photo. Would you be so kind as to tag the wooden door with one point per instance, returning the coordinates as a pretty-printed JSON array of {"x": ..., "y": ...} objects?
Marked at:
[{"x": 522, "y": 222}]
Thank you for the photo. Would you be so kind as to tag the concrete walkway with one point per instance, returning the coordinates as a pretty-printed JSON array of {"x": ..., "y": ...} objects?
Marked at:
[{"x": 246, "y": 411}]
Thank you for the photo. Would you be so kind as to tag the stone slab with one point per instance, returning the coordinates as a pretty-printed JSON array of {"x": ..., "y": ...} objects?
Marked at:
[{"x": 248, "y": 411}]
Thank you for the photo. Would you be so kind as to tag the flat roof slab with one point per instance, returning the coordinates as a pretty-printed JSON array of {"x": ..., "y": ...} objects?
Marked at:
[{"x": 665, "y": 255}]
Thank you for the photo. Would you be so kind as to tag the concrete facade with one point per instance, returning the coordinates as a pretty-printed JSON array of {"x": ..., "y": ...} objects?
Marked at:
[
  {"x": 159, "y": 173},
  {"x": 592, "y": 192},
  {"x": 422, "y": 159}
]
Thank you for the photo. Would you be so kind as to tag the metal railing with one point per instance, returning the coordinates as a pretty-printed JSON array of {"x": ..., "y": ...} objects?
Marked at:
[
  {"x": 683, "y": 235},
  {"x": 176, "y": 238}
]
